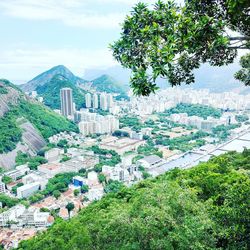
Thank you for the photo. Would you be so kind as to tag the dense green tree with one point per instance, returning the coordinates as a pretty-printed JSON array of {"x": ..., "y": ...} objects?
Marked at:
[
  {"x": 101, "y": 178},
  {"x": 8, "y": 201},
  {"x": 70, "y": 206},
  {"x": 84, "y": 189},
  {"x": 172, "y": 40},
  {"x": 205, "y": 207},
  {"x": 76, "y": 192},
  {"x": 56, "y": 194},
  {"x": 6, "y": 179}
]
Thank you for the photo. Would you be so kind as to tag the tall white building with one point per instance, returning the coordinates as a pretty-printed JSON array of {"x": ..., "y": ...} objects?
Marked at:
[
  {"x": 67, "y": 108},
  {"x": 95, "y": 101},
  {"x": 103, "y": 101},
  {"x": 110, "y": 100},
  {"x": 88, "y": 100}
]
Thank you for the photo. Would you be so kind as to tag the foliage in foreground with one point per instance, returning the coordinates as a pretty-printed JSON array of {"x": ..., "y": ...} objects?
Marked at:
[
  {"x": 206, "y": 207},
  {"x": 171, "y": 40}
]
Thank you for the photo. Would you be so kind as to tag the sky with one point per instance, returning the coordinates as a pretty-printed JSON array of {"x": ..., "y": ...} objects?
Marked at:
[{"x": 39, "y": 34}]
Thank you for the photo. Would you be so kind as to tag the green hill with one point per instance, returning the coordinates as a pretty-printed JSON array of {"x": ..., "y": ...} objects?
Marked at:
[
  {"x": 42, "y": 118},
  {"x": 206, "y": 207},
  {"x": 106, "y": 83},
  {"x": 46, "y": 77},
  {"x": 50, "y": 91}
]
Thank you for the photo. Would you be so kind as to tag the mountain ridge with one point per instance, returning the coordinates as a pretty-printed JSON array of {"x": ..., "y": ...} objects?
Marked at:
[
  {"x": 46, "y": 77},
  {"x": 103, "y": 83}
]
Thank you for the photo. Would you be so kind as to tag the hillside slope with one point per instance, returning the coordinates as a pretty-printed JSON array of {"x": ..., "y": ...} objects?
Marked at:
[
  {"x": 50, "y": 91},
  {"x": 22, "y": 117},
  {"x": 46, "y": 77},
  {"x": 106, "y": 83},
  {"x": 206, "y": 207}
]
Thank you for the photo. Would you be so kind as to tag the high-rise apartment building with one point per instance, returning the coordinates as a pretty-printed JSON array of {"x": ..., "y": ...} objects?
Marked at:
[
  {"x": 66, "y": 102},
  {"x": 95, "y": 101},
  {"x": 110, "y": 100},
  {"x": 88, "y": 100},
  {"x": 103, "y": 101}
]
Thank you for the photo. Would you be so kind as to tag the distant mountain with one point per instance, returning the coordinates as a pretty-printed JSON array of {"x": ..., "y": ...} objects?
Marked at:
[
  {"x": 50, "y": 91},
  {"x": 106, "y": 83},
  {"x": 25, "y": 124},
  {"x": 216, "y": 79},
  {"x": 46, "y": 77}
]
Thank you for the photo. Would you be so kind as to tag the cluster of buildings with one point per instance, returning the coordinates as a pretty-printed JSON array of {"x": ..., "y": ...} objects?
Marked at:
[
  {"x": 201, "y": 123},
  {"x": 170, "y": 97},
  {"x": 103, "y": 101},
  {"x": 19, "y": 216},
  {"x": 93, "y": 123}
]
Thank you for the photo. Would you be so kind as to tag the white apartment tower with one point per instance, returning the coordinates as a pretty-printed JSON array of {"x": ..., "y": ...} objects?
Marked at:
[
  {"x": 95, "y": 101},
  {"x": 110, "y": 100},
  {"x": 67, "y": 108},
  {"x": 103, "y": 101},
  {"x": 88, "y": 100}
]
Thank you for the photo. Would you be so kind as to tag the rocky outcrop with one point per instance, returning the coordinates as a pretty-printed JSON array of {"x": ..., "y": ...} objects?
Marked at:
[{"x": 31, "y": 143}]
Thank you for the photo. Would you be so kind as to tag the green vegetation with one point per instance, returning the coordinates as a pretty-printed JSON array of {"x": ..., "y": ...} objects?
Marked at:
[
  {"x": 148, "y": 149},
  {"x": 222, "y": 131},
  {"x": 59, "y": 183},
  {"x": 63, "y": 143},
  {"x": 242, "y": 118},
  {"x": 106, "y": 157},
  {"x": 84, "y": 189},
  {"x": 183, "y": 143},
  {"x": 106, "y": 83},
  {"x": 120, "y": 133},
  {"x": 6, "y": 179},
  {"x": 113, "y": 186},
  {"x": 76, "y": 192},
  {"x": 14, "y": 189},
  {"x": 132, "y": 122},
  {"x": 171, "y": 40},
  {"x": 206, "y": 207},
  {"x": 65, "y": 158},
  {"x": 10, "y": 133},
  {"x": 3, "y": 90},
  {"x": 44, "y": 119},
  {"x": 195, "y": 109},
  {"x": 70, "y": 206},
  {"x": 145, "y": 174},
  {"x": 51, "y": 92},
  {"x": 33, "y": 162},
  {"x": 7, "y": 201}
]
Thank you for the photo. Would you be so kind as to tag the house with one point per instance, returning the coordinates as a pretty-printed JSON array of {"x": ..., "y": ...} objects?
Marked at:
[{"x": 151, "y": 161}]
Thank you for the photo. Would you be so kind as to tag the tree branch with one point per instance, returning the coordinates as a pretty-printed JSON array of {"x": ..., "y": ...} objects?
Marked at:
[{"x": 240, "y": 38}]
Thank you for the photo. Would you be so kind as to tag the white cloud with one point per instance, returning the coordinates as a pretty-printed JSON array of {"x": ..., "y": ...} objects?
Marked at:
[
  {"x": 83, "y": 13},
  {"x": 30, "y": 62}
]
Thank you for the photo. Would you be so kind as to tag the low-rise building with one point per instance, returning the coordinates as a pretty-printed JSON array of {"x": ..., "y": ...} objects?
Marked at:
[
  {"x": 95, "y": 193},
  {"x": 2, "y": 187},
  {"x": 11, "y": 215},
  {"x": 27, "y": 190},
  {"x": 33, "y": 217},
  {"x": 53, "y": 154},
  {"x": 121, "y": 145},
  {"x": 150, "y": 161},
  {"x": 78, "y": 181}
]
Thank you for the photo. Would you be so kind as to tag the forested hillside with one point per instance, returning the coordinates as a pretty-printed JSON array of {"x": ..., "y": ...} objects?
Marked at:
[
  {"x": 206, "y": 207},
  {"x": 51, "y": 92},
  {"x": 43, "y": 119}
]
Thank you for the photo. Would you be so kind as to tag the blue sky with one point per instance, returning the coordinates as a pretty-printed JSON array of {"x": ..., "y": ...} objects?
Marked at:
[{"x": 39, "y": 34}]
